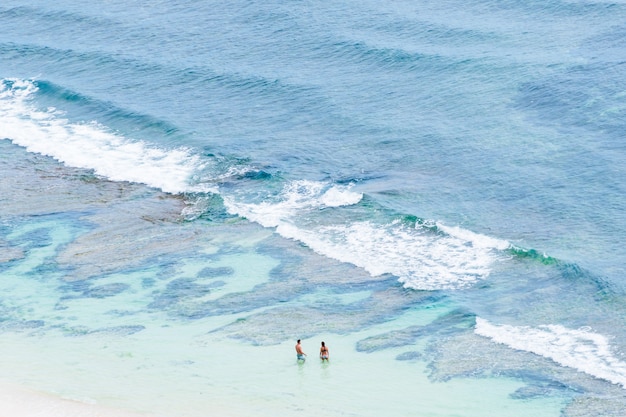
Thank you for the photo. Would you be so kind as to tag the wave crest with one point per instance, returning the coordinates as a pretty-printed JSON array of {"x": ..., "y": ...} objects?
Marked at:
[
  {"x": 579, "y": 349},
  {"x": 91, "y": 145}
]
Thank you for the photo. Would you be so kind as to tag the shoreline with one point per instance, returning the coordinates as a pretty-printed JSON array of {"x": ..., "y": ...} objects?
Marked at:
[{"x": 20, "y": 401}]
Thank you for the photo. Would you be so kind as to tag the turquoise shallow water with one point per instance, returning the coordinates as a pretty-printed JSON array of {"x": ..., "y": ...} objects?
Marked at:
[
  {"x": 436, "y": 190},
  {"x": 209, "y": 328}
]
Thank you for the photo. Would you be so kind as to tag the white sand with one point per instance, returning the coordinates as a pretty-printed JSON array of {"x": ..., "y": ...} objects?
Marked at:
[{"x": 20, "y": 402}]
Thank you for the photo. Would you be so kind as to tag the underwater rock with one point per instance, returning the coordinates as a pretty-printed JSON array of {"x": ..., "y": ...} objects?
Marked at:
[
  {"x": 21, "y": 325},
  {"x": 106, "y": 290},
  {"x": 215, "y": 272},
  {"x": 120, "y": 330},
  {"x": 409, "y": 356},
  {"x": 10, "y": 253}
]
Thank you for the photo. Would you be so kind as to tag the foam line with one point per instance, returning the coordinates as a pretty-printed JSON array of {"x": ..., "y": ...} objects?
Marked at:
[
  {"x": 92, "y": 146},
  {"x": 579, "y": 349},
  {"x": 419, "y": 258},
  {"x": 296, "y": 197}
]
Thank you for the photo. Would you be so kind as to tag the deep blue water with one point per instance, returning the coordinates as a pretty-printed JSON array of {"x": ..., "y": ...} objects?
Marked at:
[{"x": 471, "y": 152}]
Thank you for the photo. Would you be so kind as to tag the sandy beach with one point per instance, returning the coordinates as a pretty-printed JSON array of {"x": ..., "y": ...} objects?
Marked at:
[{"x": 16, "y": 401}]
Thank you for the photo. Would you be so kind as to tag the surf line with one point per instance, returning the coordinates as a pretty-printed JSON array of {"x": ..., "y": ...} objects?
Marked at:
[{"x": 579, "y": 349}]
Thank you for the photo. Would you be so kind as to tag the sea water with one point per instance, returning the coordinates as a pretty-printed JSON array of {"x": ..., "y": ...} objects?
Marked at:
[{"x": 434, "y": 189}]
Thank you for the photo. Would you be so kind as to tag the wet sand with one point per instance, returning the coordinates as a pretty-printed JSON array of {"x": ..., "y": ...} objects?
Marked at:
[{"x": 16, "y": 401}]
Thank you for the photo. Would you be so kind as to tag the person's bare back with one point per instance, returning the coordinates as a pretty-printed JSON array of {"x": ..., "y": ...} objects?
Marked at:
[
  {"x": 299, "y": 352},
  {"x": 324, "y": 354}
]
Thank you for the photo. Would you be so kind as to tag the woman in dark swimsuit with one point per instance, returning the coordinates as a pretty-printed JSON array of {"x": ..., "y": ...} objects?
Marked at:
[{"x": 324, "y": 352}]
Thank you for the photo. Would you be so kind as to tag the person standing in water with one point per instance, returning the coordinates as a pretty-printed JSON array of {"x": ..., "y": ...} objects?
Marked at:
[
  {"x": 299, "y": 352},
  {"x": 324, "y": 355}
]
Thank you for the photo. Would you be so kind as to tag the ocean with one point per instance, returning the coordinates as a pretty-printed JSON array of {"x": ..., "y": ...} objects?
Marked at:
[{"x": 435, "y": 189}]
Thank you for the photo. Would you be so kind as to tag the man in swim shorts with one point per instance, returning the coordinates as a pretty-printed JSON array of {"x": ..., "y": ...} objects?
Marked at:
[{"x": 299, "y": 352}]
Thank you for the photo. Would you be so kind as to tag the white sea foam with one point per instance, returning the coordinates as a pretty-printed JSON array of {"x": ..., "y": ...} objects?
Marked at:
[
  {"x": 91, "y": 145},
  {"x": 337, "y": 197},
  {"x": 421, "y": 259},
  {"x": 296, "y": 197},
  {"x": 580, "y": 349},
  {"x": 476, "y": 239}
]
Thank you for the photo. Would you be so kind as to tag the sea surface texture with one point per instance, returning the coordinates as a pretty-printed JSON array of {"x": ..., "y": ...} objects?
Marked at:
[{"x": 436, "y": 189}]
